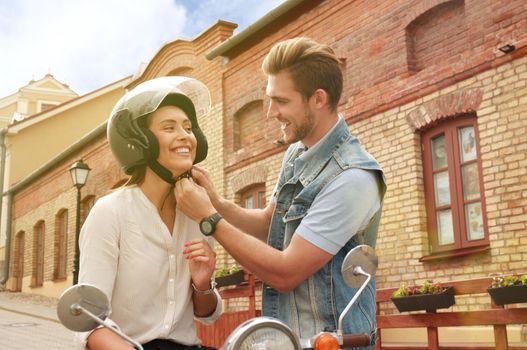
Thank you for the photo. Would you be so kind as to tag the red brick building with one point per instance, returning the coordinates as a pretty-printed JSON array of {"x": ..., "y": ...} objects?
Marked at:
[{"x": 435, "y": 90}]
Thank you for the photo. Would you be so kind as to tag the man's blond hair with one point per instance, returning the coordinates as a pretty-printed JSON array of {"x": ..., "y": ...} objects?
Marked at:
[{"x": 311, "y": 66}]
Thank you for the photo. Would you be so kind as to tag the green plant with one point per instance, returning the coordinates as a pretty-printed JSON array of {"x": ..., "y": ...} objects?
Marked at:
[
  {"x": 508, "y": 281},
  {"x": 428, "y": 287},
  {"x": 224, "y": 271}
]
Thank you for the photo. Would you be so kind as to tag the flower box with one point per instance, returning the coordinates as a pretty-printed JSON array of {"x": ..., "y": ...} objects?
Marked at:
[
  {"x": 234, "y": 278},
  {"x": 428, "y": 302},
  {"x": 509, "y": 294}
]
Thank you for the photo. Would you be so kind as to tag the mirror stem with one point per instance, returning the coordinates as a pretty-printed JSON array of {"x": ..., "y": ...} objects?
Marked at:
[
  {"x": 77, "y": 307},
  {"x": 357, "y": 270}
]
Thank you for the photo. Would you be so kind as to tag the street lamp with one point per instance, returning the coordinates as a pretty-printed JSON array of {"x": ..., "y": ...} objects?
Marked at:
[{"x": 79, "y": 174}]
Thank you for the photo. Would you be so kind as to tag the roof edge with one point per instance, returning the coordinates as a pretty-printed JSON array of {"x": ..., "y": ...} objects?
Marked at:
[
  {"x": 245, "y": 34},
  {"x": 143, "y": 67},
  {"x": 33, "y": 118}
]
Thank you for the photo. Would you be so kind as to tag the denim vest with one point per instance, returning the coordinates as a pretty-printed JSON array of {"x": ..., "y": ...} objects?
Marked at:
[{"x": 316, "y": 304}]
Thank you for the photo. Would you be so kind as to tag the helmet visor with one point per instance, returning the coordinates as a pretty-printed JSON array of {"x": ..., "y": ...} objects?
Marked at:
[{"x": 146, "y": 97}]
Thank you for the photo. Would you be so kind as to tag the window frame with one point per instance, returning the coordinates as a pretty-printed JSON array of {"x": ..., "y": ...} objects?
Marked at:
[
  {"x": 61, "y": 246},
  {"x": 86, "y": 204},
  {"x": 450, "y": 130},
  {"x": 254, "y": 192},
  {"x": 251, "y": 110},
  {"x": 39, "y": 236},
  {"x": 42, "y": 103},
  {"x": 18, "y": 261}
]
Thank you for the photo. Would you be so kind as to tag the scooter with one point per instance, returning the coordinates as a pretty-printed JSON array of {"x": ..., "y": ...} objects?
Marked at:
[
  {"x": 264, "y": 333},
  {"x": 83, "y": 307}
]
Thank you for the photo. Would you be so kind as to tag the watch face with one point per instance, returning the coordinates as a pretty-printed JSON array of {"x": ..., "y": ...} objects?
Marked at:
[{"x": 206, "y": 227}]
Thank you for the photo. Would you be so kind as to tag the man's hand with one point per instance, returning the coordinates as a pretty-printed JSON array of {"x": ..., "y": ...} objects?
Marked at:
[
  {"x": 202, "y": 177},
  {"x": 193, "y": 200}
]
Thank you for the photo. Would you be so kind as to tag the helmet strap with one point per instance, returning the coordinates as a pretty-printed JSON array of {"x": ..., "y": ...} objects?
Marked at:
[
  {"x": 165, "y": 174},
  {"x": 185, "y": 175},
  {"x": 162, "y": 172}
]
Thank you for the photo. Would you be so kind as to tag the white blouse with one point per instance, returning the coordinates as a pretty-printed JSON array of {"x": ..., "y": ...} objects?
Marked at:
[{"x": 128, "y": 252}]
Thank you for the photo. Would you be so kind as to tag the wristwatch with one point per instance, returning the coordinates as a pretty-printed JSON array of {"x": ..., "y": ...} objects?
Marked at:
[{"x": 207, "y": 226}]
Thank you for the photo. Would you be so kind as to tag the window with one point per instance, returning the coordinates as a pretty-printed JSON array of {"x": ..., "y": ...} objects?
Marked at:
[
  {"x": 86, "y": 205},
  {"x": 61, "y": 245},
  {"x": 37, "y": 276},
  {"x": 248, "y": 124},
  {"x": 18, "y": 261},
  {"x": 453, "y": 186},
  {"x": 436, "y": 35},
  {"x": 254, "y": 197},
  {"x": 46, "y": 106}
]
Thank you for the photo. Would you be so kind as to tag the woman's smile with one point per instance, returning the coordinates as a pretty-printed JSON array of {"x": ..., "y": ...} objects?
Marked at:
[{"x": 177, "y": 144}]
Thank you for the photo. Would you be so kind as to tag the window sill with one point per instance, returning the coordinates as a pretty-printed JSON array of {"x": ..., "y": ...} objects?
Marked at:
[{"x": 451, "y": 254}]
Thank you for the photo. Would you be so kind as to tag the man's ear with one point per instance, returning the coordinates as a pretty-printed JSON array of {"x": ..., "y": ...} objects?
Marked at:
[{"x": 320, "y": 99}]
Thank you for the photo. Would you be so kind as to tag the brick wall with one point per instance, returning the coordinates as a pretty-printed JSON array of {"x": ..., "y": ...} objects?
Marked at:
[
  {"x": 51, "y": 193},
  {"x": 373, "y": 40},
  {"x": 384, "y": 100},
  {"x": 454, "y": 46},
  {"x": 403, "y": 236}
]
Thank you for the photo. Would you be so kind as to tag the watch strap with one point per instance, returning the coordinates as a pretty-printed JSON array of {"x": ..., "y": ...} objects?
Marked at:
[
  {"x": 212, "y": 220},
  {"x": 205, "y": 292}
]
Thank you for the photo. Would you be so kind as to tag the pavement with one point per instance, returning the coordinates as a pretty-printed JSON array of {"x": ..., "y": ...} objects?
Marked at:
[{"x": 30, "y": 322}]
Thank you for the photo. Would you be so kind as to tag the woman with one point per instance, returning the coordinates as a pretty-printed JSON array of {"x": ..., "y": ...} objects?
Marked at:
[{"x": 148, "y": 257}]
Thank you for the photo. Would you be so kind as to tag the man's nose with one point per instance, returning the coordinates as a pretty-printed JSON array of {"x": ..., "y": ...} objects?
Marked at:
[{"x": 272, "y": 111}]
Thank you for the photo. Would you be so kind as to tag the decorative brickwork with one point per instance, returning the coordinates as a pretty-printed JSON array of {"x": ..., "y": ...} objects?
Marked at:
[
  {"x": 431, "y": 112},
  {"x": 251, "y": 176}
]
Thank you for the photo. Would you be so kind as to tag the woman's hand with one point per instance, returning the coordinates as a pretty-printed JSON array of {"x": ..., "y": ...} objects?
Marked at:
[{"x": 202, "y": 262}]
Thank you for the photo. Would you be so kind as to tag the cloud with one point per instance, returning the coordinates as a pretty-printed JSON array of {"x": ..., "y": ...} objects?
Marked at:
[
  {"x": 88, "y": 44},
  {"x": 242, "y": 12}
]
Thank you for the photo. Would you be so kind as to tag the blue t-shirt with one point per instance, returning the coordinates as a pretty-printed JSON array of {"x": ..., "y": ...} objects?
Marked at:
[{"x": 341, "y": 209}]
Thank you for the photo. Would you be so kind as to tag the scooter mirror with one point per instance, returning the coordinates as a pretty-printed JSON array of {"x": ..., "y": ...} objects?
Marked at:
[
  {"x": 88, "y": 297},
  {"x": 362, "y": 256}
]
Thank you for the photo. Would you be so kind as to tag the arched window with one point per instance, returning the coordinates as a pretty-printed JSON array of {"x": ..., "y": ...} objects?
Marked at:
[
  {"x": 61, "y": 245},
  {"x": 453, "y": 186},
  {"x": 37, "y": 275},
  {"x": 18, "y": 261},
  {"x": 437, "y": 34},
  {"x": 253, "y": 197},
  {"x": 86, "y": 205},
  {"x": 248, "y": 124}
]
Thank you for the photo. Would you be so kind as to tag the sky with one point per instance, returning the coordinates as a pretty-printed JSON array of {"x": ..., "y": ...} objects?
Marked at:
[{"x": 91, "y": 43}]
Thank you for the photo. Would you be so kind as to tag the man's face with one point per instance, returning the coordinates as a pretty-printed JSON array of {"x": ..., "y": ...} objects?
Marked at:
[{"x": 289, "y": 108}]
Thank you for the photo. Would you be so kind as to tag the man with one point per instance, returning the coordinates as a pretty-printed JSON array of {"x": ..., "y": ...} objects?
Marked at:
[{"x": 327, "y": 200}]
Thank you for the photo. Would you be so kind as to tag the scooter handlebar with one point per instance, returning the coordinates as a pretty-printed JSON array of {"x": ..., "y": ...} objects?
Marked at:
[{"x": 355, "y": 340}]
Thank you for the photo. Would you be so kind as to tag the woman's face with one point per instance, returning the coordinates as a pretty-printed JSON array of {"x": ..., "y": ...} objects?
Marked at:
[{"x": 177, "y": 143}]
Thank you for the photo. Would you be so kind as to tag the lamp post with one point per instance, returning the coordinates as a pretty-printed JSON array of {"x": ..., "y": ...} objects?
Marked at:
[{"x": 79, "y": 174}]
